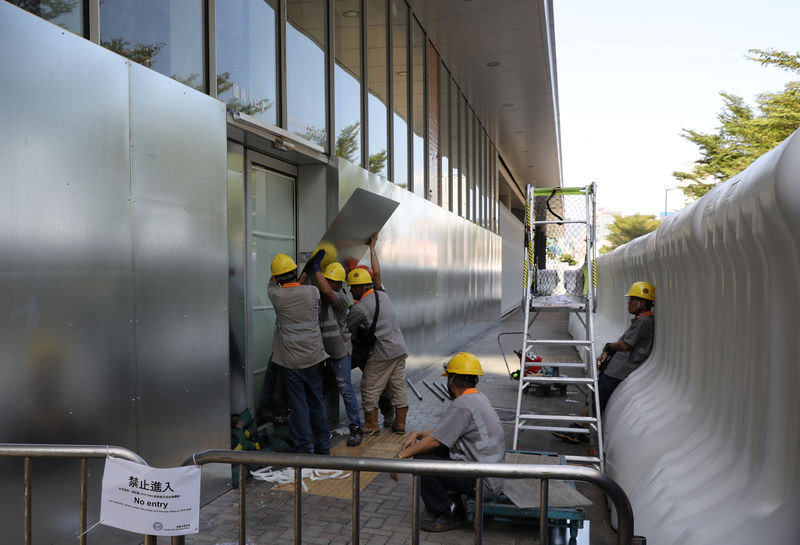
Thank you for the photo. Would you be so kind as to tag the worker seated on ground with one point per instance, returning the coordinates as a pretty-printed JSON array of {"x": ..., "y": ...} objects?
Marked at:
[
  {"x": 469, "y": 431},
  {"x": 619, "y": 359}
]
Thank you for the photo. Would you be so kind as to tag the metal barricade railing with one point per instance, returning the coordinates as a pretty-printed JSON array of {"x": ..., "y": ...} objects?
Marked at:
[
  {"x": 417, "y": 468},
  {"x": 82, "y": 452}
]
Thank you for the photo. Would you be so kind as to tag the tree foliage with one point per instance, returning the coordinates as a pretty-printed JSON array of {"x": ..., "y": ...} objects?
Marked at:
[
  {"x": 744, "y": 133},
  {"x": 626, "y": 228}
]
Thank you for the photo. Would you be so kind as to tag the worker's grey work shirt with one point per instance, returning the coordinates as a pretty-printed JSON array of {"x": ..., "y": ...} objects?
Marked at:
[
  {"x": 389, "y": 342},
  {"x": 471, "y": 429},
  {"x": 333, "y": 324},
  {"x": 297, "y": 340},
  {"x": 639, "y": 336}
]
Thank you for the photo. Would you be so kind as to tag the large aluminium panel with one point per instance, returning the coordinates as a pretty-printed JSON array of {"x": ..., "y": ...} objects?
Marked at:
[
  {"x": 180, "y": 251},
  {"x": 66, "y": 305},
  {"x": 441, "y": 271}
]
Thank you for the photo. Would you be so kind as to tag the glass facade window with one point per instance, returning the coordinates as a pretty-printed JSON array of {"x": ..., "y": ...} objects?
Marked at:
[
  {"x": 418, "y": 107},
  {"x": 247, "y": 57},
  {"x": 400, "y": 91},
  {"x": 347, "y": 78},
  {"x": 306, "y": 44},
  {"x": 165, "y": 35},
  {"x": 68, "y": 14},
  {"x": 455, "y": 149},
  {"x": 378, "y": 89},
  {"x": 444, "y": 137},
  {"x": 463, "y": 125}
]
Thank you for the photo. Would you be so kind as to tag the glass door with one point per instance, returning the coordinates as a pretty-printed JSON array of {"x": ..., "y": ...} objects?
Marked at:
[{"x": 271, "y": 229}]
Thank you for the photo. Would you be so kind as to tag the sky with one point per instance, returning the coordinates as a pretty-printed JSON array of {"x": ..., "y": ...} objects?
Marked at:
[{"x": 633, "y": 73}]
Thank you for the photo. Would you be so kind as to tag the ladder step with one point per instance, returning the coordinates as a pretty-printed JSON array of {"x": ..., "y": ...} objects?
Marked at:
[
  {"x": 556, "y": 222},
  {"x": 556, "y": 428},
  {"x": 561, "y": 380},
  {"x": 553, "y": 364},
  {"x": 574, "y": 342},
  {"x": 583, "y": 459},
  {"x": 560, "y": 417}
]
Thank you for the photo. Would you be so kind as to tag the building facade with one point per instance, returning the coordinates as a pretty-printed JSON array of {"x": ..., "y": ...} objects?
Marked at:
[{"x": 157, "y": 154}]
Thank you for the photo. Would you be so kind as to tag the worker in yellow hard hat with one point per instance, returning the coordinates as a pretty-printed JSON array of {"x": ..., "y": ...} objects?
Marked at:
[
  {"x": 335, "y": 303},
  {"x": 298, "y": 349},
  {"x": 623, "y": 356},
  {"x": 378, "y": 345},
  {"x": 468, "y": 431}
]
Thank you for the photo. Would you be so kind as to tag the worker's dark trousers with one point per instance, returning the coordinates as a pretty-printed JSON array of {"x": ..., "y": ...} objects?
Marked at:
[{"x": 436, "y": 489}]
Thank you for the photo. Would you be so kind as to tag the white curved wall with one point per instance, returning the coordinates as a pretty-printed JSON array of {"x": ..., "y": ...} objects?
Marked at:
[{"x": 704, "y": 437}]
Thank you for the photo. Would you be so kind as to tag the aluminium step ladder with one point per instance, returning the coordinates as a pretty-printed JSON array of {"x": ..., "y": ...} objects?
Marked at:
[{"x": 554, "y": 221}]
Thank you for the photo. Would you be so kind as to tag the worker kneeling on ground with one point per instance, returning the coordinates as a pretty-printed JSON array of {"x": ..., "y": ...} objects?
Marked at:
[{"x": 469, "y": 431}]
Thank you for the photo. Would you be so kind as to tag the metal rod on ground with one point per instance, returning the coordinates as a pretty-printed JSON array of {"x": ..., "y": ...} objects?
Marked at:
[
  {"x": 432, "y": 389},
  {"x": 419, "y": 396},
  {"x": 442, "y": 389}
]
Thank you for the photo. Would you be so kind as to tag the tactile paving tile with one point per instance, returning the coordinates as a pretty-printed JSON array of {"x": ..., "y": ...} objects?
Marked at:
[{"x": 384, "y": 445}]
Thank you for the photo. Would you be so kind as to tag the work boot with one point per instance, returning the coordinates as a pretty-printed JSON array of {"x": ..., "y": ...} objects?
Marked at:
[
  {"x": 387, "y": 410},
  {"x": 399, "y": 425},
  {"x": 355, "y": 436},
  {"x": 443, "y": 523},
  {"x": 371, "y": 426}
]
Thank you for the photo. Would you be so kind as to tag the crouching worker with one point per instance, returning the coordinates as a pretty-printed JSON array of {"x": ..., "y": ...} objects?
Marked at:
[{"x": 468, "y": 431}]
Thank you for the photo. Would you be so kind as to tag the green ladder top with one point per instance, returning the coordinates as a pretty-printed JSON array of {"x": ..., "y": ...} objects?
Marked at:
[{"x": 547, "y": 191}]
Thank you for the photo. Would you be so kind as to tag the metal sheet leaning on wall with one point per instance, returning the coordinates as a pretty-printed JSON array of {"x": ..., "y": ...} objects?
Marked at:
[{"x": 442, "y": 271}]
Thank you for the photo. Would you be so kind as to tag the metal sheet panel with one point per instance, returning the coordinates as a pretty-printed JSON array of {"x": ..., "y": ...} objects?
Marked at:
[
  {"x": 66, "y": 305},
  {"x": 178, "y": 182},
  {"x": 441, "y": 271}
]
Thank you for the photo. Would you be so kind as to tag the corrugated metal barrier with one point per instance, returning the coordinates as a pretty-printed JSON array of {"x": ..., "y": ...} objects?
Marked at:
[{"x": 704, "y": 436}]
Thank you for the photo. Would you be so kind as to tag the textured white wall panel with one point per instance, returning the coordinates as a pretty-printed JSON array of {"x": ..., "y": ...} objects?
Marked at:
[{"x": 704, "y": 436}]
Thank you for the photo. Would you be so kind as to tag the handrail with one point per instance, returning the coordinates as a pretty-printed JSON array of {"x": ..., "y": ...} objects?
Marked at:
[
  {"x": 417, "y": 468},
  {"x": 83, "y": 452}
]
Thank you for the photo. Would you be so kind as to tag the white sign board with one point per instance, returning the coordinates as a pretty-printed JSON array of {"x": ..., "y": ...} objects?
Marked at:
[{"x": 150, "y": 501}]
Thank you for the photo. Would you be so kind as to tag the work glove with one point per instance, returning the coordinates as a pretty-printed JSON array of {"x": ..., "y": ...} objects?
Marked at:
[{"x": 316, "y": 259}]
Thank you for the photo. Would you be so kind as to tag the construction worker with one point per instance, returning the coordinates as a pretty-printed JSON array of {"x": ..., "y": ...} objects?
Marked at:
[
  {"x": 297, "y": 348},
  {"x": 619, "y": 359},
  {"x": 468, "y": 431},
  {"x": 385, "y": 400},
  {"x": 386, "y": 363},
  {"x": 336, "y": 340}
]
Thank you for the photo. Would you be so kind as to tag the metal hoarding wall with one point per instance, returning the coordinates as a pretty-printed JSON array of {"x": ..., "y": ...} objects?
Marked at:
[
  {"x": 704, "y": 435},
  {"x": 441, "y": 271},
  {"x": 113, "y": 266}
]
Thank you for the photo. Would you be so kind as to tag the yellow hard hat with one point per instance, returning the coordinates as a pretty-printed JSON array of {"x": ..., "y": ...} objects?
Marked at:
[
  {"x": 358, "y": 277},
  {"x": 642, "y": 290},
  {"x": 330, "y": 254},
  {"x": 334, "y": 272},
  {"x": 463, "y": 363},
  {"x": 281, "y": 264}
]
